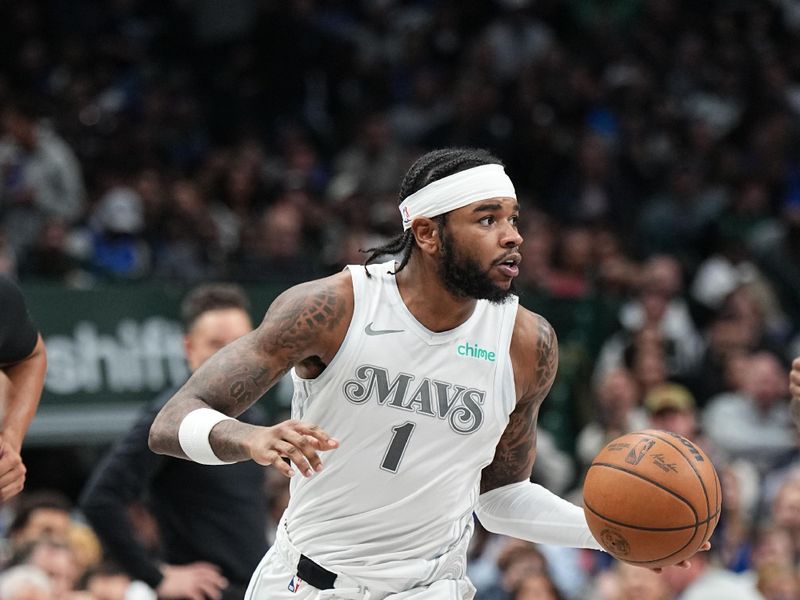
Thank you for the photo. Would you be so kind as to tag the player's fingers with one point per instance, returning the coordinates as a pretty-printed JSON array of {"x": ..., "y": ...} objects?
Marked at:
[
  {"x": 272, "y": 457},
  {"x": 301, "y": 442},
  {"x": 315, "y": 431},
  {"x": 705, "y": 547},
  {"x": 796, "y": 364},
  {"x": 294, "y": 454}
]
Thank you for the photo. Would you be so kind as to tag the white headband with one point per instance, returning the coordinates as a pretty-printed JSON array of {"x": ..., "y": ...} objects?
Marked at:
[{"x": 455, "y": 191}]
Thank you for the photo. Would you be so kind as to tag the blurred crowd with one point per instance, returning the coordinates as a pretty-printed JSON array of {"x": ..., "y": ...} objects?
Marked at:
[{"x": 653, "y": 143}]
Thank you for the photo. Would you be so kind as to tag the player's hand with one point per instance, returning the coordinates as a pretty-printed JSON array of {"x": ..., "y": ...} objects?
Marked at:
[
  {"x": 794, "y": 379},
  {"x": 195, "y": 581},
  {"x": 685, "y": 564},
  {"x": 297, "y": 441},
  {"x": 12, "y": 471}
]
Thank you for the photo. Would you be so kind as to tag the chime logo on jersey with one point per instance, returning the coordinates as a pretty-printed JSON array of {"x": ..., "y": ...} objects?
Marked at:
[
  {"x": 294, "y": 584},
  {"x": 461, "y": 406}
]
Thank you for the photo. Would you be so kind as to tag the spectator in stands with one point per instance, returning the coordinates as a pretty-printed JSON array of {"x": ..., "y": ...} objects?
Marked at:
[
  {"x": 671, "y": 407},
  {"x": 640, "y": 584},
  {"x": 56, "y": 559},
  {"x": 659, "y": 314},
  {"x": 786, "y": 514},
  {"x": 536, "y": 586},
  {"x": 705, "y": 581},
  {"x": 26, "y": 582},
  {"x": 108, "y": 581},
  {"x": 41, "y": 174},
  {"x": 753, "y": 422},
  {"x": 272, "y": 242},
  {"x": 516, "y": 560},
  {"x": 617, "y": 410},
  {"x": 41, "y": 514},
  {"x": 205, "y": 552}
]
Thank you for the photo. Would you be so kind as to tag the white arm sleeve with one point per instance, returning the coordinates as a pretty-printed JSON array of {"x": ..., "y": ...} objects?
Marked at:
[{"x": 530, "y": 512}]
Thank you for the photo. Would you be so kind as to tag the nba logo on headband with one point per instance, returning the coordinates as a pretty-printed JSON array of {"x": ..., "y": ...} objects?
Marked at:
[{"x": 457, "y": 190}]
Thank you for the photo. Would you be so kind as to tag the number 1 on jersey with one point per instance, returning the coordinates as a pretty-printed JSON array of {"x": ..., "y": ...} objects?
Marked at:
[{"x": 397, "y": 447}]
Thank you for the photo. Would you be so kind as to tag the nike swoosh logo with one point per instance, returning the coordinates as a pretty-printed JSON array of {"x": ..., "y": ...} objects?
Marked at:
[{"x": 370, "y": 331}]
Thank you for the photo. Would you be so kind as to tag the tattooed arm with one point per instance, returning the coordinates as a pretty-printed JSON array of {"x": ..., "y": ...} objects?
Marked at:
[
  {"x": 534, "y": 355},
  {"x": 304, "y": 327},
  {"x": 509, "y": 504}
]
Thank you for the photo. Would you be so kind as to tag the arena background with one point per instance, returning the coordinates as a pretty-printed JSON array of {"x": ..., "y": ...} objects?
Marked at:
[{"x": 653, "y": 143}]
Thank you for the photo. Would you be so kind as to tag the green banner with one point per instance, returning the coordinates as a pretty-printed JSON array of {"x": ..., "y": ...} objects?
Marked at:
[{"x": 110, "y": 351}]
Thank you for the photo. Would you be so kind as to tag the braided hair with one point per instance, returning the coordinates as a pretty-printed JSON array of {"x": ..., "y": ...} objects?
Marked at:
[{"x": 428, "y": 168}]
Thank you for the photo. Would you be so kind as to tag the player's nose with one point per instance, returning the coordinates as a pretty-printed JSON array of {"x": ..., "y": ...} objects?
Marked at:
[{"x": 510, "y": 237}]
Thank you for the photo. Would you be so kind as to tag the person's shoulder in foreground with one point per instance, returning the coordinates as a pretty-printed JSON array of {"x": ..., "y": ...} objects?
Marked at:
[{"x": 23, "y": 359}]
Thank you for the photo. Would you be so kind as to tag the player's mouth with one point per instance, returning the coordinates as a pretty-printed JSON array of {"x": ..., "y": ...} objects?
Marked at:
[{"x": 509, "y": 264}]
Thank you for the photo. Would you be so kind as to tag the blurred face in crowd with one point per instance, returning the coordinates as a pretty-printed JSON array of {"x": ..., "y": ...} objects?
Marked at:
[
  {"x": 678, "y": 579},
  {"x": 52, "y": 523},
  {"x": 59, "y": 563},
  {"x": 650, "y": 367},
  {"x": 778, "y": 582},
  {"x": 640, "y": 584},
  {"x": 682, "y": 422},
  {"x": 20, "y": 128},
  {"x": 786, "y": 508},
  {"x": 617, "y": 396},
  {"x": 518, "y": 559},
  {"x": 577, "y": 250},
  {"x": 535, "y": 587},
  {"x": 109, "y": 587},
  {"x": 765, "y": 381},
  {"x": 282, "y": 230},
  {"x": 213, "y": 330},
  {"x": 773, "y": 547}
]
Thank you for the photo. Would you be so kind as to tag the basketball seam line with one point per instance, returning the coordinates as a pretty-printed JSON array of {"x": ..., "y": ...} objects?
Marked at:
[
  {"x": 642, "y": 528},
  {"x": 651, "y": 481},
  {"x": 696, "y": 472}
]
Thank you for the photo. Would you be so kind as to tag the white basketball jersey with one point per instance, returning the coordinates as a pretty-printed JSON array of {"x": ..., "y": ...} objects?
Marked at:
[{"x": 418, "y": 415}]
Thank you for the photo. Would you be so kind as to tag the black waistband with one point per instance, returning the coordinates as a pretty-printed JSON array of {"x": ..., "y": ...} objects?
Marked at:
[{"x": 316, "y": 575}]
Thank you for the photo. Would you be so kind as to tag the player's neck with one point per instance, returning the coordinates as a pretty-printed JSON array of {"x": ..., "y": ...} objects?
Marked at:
[{"x": 428, "y": 300}]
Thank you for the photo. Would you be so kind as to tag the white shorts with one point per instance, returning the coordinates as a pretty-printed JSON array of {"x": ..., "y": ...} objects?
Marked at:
[{"x": 275, "y": 578}]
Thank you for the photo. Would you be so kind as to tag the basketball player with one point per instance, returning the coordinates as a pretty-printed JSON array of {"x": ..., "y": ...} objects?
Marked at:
[
  {"x": 23, "y": 362},
  {"x": 794, "y": 390},
  {"x": 430, "y": 377}
]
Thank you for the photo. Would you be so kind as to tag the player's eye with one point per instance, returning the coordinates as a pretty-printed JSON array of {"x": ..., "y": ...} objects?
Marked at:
[
  {"x": 514, "y": 220},
  {"x": 487, "y": 220}
]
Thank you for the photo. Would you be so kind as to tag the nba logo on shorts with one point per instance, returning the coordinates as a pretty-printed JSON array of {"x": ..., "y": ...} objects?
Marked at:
[
  {"x": 294, "y": 584},
  {"x": 406, "y": 216}
]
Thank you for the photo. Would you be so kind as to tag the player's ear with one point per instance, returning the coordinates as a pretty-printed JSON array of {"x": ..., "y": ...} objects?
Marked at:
[{"x": 426, "y": 232}]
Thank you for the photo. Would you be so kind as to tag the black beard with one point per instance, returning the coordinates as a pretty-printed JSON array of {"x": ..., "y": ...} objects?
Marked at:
[{"x": 464, "y": 278}]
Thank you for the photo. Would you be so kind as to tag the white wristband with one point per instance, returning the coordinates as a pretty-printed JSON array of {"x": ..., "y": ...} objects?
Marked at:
[
  {"x": 193, "y": 435},
  {"x": 530, "y": 512}
]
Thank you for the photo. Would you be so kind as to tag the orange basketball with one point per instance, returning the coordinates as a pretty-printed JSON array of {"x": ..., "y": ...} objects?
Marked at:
[{"x": 652, "y": 498}]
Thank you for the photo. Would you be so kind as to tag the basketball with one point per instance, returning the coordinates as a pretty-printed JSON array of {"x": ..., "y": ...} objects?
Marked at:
[{"x": 652, "y": 498}]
